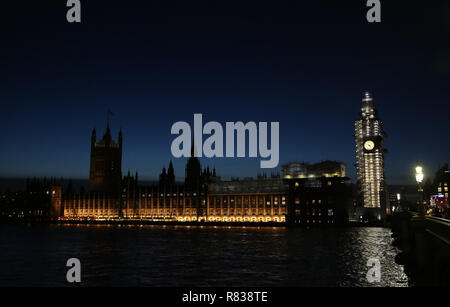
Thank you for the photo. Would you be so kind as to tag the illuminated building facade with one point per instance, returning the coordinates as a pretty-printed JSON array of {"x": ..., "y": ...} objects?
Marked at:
[
  {"x": 248, "y": 200},
  {"x": 322, "y": 200},
  {"x": 441, "y": 183},
  {"x": 306, "y": 194},
  {"x": 369, "y": 137},
  {"x": 264, "y": 201},
  {"x": 305, "y": 170}
]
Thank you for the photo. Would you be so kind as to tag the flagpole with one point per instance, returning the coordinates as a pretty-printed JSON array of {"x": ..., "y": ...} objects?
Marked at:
[{"x": 107, "y": 116}]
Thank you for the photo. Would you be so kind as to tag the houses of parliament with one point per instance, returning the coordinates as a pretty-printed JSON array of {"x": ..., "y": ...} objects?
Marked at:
[{"x": 316, "y": 194}]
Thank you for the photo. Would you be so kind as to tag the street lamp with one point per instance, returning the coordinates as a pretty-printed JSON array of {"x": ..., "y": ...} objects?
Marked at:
[{"x": 419, "y": 179}]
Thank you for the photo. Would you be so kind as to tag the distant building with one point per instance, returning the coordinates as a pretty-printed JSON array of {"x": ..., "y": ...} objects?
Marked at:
[
  {"x": 304, "y": 194},
  {"x": 318, "y": 193},
  {"x": 441, "y": 183},
  {"x": 305, "y": 170},
  {"x": 369, "y": 136},
  {"x": 167, "y": 178}
]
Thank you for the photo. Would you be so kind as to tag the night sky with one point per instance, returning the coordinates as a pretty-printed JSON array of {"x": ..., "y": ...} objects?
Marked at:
[{"x": 157, "y": 62}]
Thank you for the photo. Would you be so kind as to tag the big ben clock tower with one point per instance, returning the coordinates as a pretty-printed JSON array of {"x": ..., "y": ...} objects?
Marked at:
[{"x": 369, "y": 136}]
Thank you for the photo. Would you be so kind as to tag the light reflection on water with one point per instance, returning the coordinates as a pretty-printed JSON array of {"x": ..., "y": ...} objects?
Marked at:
[{"x": 196, "y": 256}]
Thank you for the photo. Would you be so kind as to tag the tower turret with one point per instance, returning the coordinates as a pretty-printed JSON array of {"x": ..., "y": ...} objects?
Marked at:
[
  {"x": 56, "y": 207},
  {"x": 105, "y": 172},
  {"x": 170, "y": 174},
  {"x": 120, "y": 138},
  {"x": 193, "y": 171},
  {"x": 93, "y": 137}
]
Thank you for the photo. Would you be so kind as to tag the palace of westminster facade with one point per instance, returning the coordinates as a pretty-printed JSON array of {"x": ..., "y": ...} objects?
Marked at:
[{"x": 306, "y": 193}]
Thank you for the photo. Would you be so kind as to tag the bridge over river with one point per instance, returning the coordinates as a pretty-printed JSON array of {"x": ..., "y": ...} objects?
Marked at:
[{"x": 425, "y": 245}]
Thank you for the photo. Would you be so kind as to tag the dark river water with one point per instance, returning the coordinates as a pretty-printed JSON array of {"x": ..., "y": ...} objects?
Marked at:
[{"x": 36, "y": 255}]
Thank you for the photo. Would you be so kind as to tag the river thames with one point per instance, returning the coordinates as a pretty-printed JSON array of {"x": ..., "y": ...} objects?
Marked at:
[{"x": 36, "y": 255}]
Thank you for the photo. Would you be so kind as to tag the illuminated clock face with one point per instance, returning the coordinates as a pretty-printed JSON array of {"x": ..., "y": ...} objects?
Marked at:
[{"x": 369, "y": 145}]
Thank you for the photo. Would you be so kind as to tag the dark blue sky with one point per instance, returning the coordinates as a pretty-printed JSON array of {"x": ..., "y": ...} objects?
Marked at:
[{"x": 157, "y": 62}]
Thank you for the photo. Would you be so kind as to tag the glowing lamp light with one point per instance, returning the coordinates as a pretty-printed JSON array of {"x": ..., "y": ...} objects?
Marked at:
[
  {"x": 419, "y": 178},
  {"x": 419, "y": 174},
  {"x": 398, "y": 196}
]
